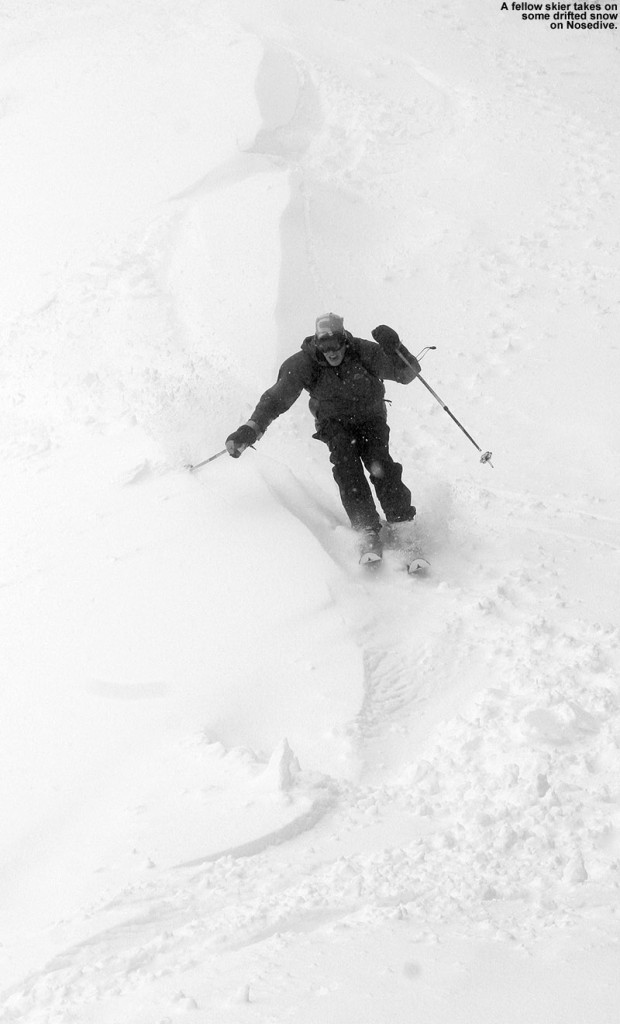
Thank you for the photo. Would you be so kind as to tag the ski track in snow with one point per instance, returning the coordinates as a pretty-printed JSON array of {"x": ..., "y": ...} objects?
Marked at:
[{"x": 484, "y": 798}]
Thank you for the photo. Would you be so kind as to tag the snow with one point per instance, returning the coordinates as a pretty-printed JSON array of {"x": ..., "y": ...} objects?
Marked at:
[{"x": 241, "y": 780}]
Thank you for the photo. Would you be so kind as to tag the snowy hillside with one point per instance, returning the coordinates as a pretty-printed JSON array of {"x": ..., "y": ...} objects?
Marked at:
[{"x": 240, "y": 780}]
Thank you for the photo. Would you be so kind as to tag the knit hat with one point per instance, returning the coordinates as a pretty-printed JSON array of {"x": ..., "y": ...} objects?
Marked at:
[{"x": 329, "y": 325}]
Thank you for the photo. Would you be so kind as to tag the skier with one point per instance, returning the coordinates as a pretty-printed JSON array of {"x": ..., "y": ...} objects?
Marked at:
[{"x": 344, "y": 378}]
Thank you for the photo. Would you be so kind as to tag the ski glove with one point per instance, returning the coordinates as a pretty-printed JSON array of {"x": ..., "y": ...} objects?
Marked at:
[
  {"x": 387, "y": 338},
  {"x": 240, "y": 439},
  {"x": 391, "y": 344}
]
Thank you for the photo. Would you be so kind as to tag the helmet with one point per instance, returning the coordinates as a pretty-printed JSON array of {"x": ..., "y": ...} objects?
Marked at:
[{"x": 330, "y": 325}]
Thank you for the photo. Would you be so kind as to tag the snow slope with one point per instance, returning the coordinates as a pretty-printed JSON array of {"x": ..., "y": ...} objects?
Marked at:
[{"x": 240, "y": 780}]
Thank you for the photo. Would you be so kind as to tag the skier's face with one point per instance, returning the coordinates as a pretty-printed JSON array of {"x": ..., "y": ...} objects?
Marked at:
[
  {"x": 332, "y": 348},
  {"x": 334, "y": 358}
]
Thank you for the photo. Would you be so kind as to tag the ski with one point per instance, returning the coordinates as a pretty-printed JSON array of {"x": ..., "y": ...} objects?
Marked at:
[
  {"x": 397, "y": 541},
  {"x": 400, "y": 539},
  {"x": 418, "y": 566},
  {"x": 371, "y": 560},
  {"x": 370, "y": 549}
]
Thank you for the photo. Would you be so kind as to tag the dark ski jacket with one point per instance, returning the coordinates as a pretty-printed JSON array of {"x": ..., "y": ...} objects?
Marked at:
[{"x": 350, "y": 393}]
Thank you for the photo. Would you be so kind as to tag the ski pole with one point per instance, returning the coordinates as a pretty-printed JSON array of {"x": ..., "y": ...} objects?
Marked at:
[
  {"x": 484, "y": 456},
  {"x": 191, "y": 468}
]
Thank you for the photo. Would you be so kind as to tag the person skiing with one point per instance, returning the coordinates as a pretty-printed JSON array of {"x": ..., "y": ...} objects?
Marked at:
[{"x": 344, "y": 377}]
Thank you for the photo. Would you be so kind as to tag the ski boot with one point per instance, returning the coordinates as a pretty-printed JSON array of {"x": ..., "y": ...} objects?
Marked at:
[
  {"x": 371, "y": 548},
  {"x": 401, "y": 538}
]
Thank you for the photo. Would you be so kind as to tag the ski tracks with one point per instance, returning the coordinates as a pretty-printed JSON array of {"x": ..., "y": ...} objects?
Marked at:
[
  {"x": 488, "y": 730},
  {"x": 401, "y": 623},
  {"x": 499, "y": 813}
]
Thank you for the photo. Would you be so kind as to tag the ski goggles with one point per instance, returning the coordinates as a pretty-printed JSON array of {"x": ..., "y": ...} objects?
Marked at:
[{"x": 329, "y": 342}]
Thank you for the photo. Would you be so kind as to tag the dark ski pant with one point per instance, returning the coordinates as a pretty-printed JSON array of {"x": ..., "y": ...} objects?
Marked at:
[{"x": 354, "y": 447}]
